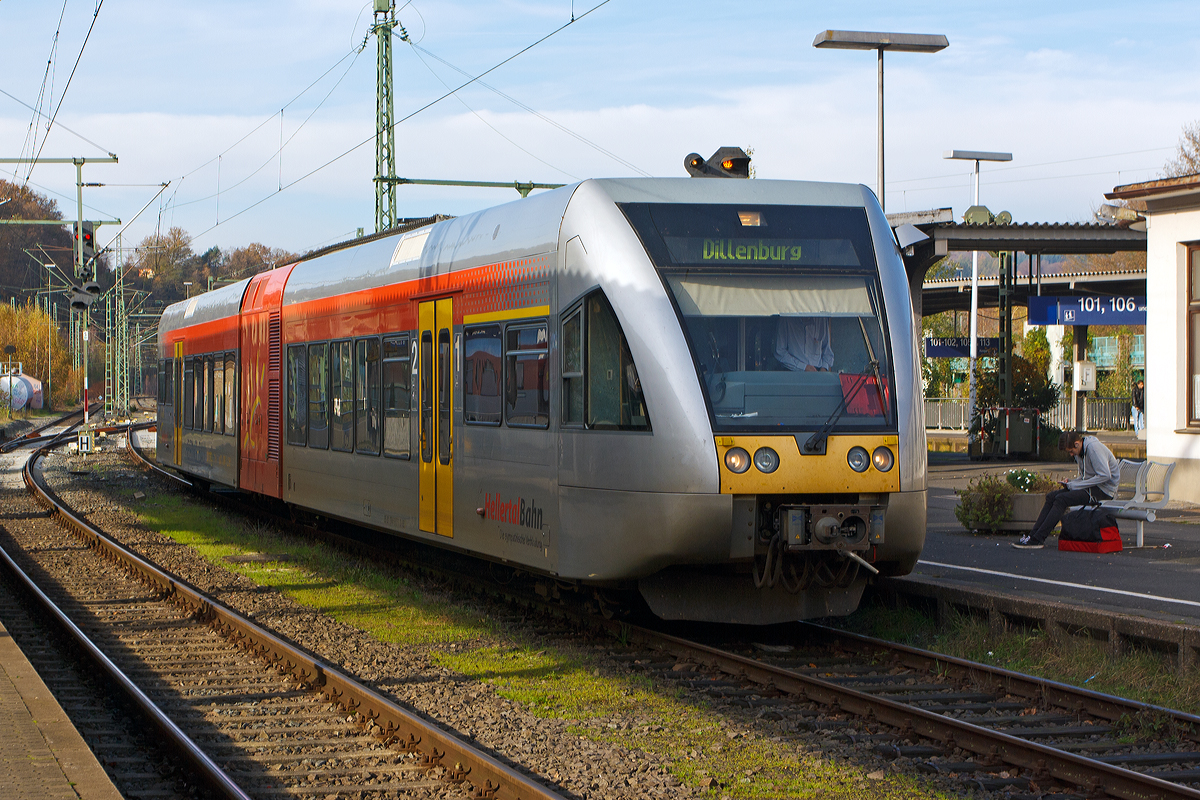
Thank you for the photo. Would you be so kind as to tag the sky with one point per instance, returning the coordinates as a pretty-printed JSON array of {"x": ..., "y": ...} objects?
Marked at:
[{"x": 261, "y": 116}]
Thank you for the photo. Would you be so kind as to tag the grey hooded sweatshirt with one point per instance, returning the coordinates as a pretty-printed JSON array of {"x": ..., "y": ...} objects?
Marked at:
[{"x": 1097, "y": 467}]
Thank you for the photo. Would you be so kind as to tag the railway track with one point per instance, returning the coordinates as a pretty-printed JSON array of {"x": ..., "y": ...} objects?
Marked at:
[
  {"x": 996, "y": 729},
  {"x": 254, "y": 715}
]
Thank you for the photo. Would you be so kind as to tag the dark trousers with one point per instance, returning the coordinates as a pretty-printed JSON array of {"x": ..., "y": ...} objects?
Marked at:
[{"x": 1056, "y": 505}]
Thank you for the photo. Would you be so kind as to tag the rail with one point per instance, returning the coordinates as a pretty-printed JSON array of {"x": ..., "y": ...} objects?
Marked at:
[{"x": 400, "y": 727}]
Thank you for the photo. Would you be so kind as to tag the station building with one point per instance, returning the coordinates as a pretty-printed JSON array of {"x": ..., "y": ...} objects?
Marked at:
[{"x": 1172, "y": 325}]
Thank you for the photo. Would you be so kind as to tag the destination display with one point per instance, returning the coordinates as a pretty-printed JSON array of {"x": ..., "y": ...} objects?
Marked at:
[
  {"x": 1129, "y": 310},
  {"x": 959, "y": 346},
  {"x": 761, "y": 252}
]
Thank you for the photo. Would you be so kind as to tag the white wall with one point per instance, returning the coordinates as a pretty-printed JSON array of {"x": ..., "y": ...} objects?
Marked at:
[{"x": 1166, "y": 349}]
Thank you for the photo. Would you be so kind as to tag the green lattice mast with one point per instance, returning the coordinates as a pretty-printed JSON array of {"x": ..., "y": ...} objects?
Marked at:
[{"x": 385, "y": 137}]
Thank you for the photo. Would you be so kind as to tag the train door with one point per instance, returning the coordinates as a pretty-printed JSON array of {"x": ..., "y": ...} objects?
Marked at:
[
  {"x": 435, "y": 357},
  {"x": 177, "y": 404}
]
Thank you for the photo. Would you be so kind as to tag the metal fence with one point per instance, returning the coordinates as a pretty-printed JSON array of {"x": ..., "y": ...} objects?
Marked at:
[{"x": 1100, "y": 414}]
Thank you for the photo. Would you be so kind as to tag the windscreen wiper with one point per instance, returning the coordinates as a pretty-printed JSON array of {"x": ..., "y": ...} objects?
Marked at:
[{"x": 815, "y": 444}]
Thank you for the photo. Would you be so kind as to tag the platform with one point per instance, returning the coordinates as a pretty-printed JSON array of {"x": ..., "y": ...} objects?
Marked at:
[
  {"x": 42, "y": 756},
  {"x": 1157, "y": 581}
]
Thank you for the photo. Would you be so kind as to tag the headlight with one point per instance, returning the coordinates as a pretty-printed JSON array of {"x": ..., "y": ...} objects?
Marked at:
[
  {"x": 883, "y": 459},
  {"x": 738, "y": 460},
  {"x": 766, "y": 459},
  {"x": 858, "y": 459}
]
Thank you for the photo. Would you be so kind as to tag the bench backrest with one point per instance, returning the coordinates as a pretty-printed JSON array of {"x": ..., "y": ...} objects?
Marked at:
[
  {"x": 1128, "y": 485},
  {"x": 1144, "y": 484},
  {"x": 1156, "y": 483}
]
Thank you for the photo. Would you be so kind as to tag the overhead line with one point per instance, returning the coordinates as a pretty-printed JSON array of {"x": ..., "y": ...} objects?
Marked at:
[
  {"x": 63, "y": 96},
  {"x": 339, "y": 157},
  {"x": 536, "y": 113}
]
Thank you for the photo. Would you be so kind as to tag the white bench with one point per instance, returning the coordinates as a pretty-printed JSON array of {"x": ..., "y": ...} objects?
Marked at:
[{"x": 1144, "y": 486}]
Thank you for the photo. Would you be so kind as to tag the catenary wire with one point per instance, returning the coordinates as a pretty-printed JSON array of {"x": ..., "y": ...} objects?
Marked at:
[
  {"x": 63, "y": 96},
  {"x": 428, "y": 105},
  {"x": 485, "y": 122},
  {"x": 536, "y": 113},
  {"x": 32, "y": 134}
]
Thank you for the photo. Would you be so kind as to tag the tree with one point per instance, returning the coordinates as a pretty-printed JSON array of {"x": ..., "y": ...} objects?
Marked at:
[
  {"x": 1187, "y": 156},
  {"x": 20, "y": 269},
  {"x": 1030, "y": 386},
  {"x": 255, "y": 258},
  {"x": 26, "y": 327}
]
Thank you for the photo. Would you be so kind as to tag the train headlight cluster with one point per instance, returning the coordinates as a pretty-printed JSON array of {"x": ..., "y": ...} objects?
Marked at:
[
  {"x": 737, "y": 460},
  {"x": 882, "y": 458},
  {"x": 858, "y": 459},
  {"x": 766, "y": 459}
]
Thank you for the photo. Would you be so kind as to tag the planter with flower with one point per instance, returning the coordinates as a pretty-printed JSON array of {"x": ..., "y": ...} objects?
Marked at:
[{"x": 1008, "y": 502}]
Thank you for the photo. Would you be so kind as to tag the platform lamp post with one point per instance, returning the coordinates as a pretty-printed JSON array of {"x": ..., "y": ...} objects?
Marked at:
[
  {"x": 879, "y": 41},
  {"x": 976, "y": 156}
]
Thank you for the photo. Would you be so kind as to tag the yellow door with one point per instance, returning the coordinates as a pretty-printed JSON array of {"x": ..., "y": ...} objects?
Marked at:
[
  {"x": 435, "y": 354},
  {"x": 177, "y": 405}
]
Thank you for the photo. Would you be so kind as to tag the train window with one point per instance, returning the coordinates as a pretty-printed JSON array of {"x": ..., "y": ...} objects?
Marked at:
[
  {"x": 572, "y": 368},
  {"x": 297, "y": 388},
  {"x": 526, "y": 386},
  {"x": 341, "y": 395},
  {"x": 231, "y": 394},
  {"x": 426, "y": 397},
  {"x": 218, "y": 425},
  {"x": 481, "y": 375},
  {"x": 397, "y": 396},
  {"x": 780, "y": 350},
  {"x": 165, "y": 394},
  {"x": 318, "y": 395},
  {"x": 366, "y": 396},
  {"x": 208, "y": 394},
  {"x": 614, "y": 390},
  {"x": 189, "y": 394},
  {"x": 601, "y": 387},
  {"x": 445, "y": 384}
]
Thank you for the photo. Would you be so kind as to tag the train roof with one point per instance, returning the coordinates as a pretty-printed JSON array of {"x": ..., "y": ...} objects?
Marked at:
[{"x": 522, "y": 228}]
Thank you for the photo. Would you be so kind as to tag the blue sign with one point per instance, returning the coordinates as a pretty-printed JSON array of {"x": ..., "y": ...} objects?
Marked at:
[
  {"x": 959, "y": 346},
  {"x": 1091, "y": 310}
]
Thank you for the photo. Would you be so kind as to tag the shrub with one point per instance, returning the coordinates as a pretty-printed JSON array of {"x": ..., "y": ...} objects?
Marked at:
[
  {"x": 985, "y": 503},
  {"x": 1024, "y": 480}
]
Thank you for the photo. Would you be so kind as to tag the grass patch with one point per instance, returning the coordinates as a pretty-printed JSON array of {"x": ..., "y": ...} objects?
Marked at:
[
  {"x": 1137, "y": 674},
  {"x": 551, "y": 682}
]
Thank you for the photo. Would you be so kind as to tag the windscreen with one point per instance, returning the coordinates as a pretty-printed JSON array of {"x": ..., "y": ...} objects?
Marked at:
[
  {"x": 786, "y": 352},
  {"x": 781, "y": 306}
]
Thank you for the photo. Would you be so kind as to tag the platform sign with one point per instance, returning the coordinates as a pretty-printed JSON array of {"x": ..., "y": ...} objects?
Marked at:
[
  {"x": 959, "y": 346},
  {"x": 85, "y": 442},
  {"x": 1093, "y": 310}
]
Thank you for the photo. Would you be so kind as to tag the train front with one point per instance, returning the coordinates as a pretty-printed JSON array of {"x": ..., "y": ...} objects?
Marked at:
[{"x": 796, "y": 312}]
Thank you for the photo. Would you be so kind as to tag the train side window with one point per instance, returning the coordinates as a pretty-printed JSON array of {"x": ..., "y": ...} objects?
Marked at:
[
  {"x": 481, "y": 375},
  {"x": 231, "y": 394},
  {"x": 601, "y": 387},
  {"x": 165, "y": 392},
  {"x": 189, "y": 393},
  {"x": 526, "y": 383},
  {"x": 318, "y": 395},
  {"x": 427, "y": 397},
  {"x": 341, "y": 395},
  {"x": 209, "y": 394},
  {"x": 396, "y": 397},
  {"x": 366, "y": 396},
  {"x": 297, "y": 389},
  {"x": 572, "y": 368},
  {"x": 218, "y": 363},
  {"x": 445, "y": 387}
]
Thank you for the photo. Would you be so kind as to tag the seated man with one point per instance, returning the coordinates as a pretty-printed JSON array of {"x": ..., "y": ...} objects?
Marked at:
[
  {"x": 802, "y": 344},
  {"x": 1099, "y": 474}
]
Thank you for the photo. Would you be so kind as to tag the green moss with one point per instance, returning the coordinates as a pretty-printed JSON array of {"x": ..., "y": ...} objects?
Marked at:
[{"x": 556, "y": 682}]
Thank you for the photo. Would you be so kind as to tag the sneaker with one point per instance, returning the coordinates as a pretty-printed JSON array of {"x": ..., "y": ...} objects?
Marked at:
[{"x": 1026, "y": 543}]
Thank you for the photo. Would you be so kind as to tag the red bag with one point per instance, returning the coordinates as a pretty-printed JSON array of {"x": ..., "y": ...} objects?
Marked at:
[
  {"x": 1110, "y": 542},
  {"x": 863, "y": 396}
]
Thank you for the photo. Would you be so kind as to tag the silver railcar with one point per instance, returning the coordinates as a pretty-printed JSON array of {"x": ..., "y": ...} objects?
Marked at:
[{"x": 707, "y": 389}]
